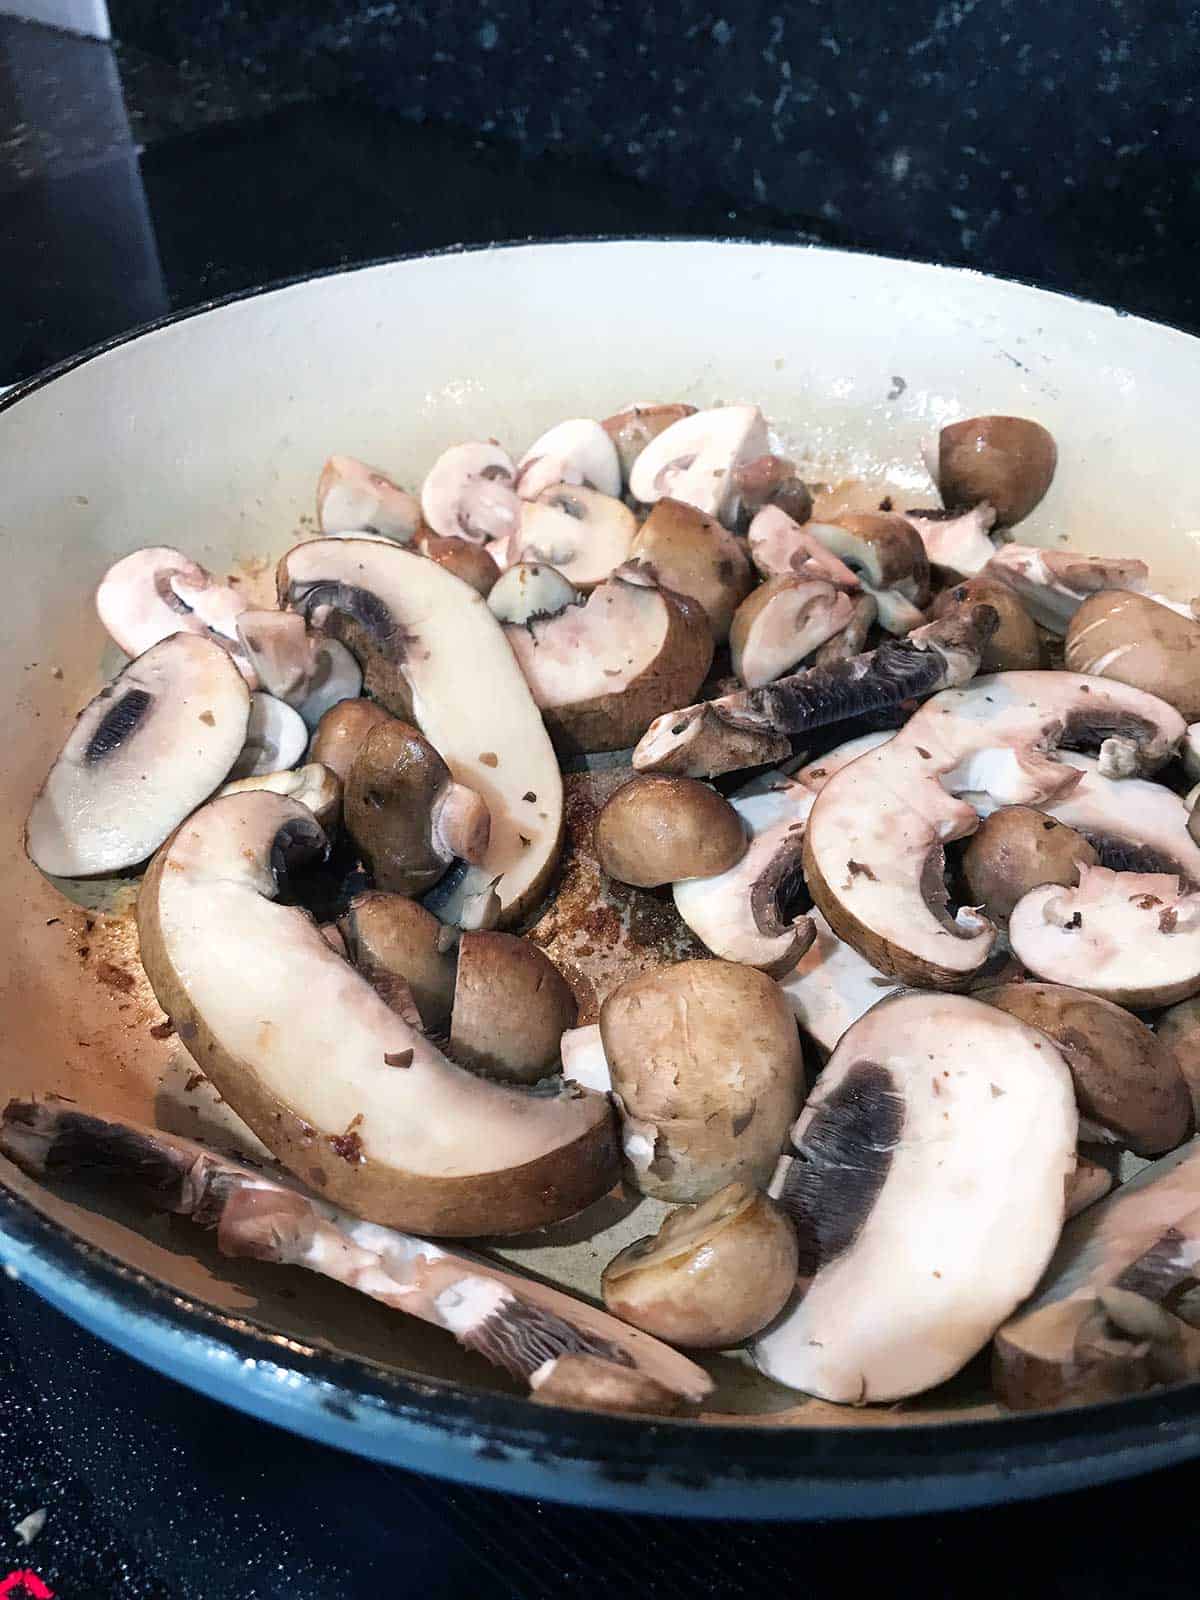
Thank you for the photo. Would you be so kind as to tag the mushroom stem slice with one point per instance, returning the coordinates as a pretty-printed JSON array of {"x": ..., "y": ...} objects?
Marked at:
[
  {"x": 956, "y": 542},
  {"x": 353, "y": 497},
  {"x": 515, "y": 1323},
  {"x": 314, "y": 786},
  {"x": 461, "y": 825},
  {"x": 276, "y": 738}
]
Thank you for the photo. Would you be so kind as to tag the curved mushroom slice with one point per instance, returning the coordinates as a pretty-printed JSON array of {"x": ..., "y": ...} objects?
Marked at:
[
  {"x": 817, "y": 773},
  {"x": 886, "y": 555},
  {"x": 781, "y": 623},
  {"x": 584, "y": 534},
  {"x": 317, "y": 787},
  {"x": 1130, "y": 937},
  {"x": 632, "y": 429},
  {"x": 1137, "y": 640},
  {"x": 276, "y": 738},
  {"x": 873, "y": 849},
  {"x": 141, "y": 756},
  {"x": 1053, "y": 584},
  {"x": 927, "y": 1186},
  {"x": 516, "y": 1323},
  {"x": 780, "y": 547},
  {"x": 850, "y": 641},
  {"x": 156, "y": 592},
  {"x": 350, "y": 1098},
  {"x": 831, "y": 986},
  {"x": 694, "y": 460},
  {"x": 956, "y": 542},
  {"x": 693, "y": 554},
  {"x": 468, "y": 494},
  {"x": 1007, "y": 461},
  {"x": 298, "y": 664},
  {"x": 530, "y": 589},
  {"x": 353, "y": 497},
  {"x": 601, "y": 672},
  {"x": 725, "y": 734},
  {"x": 579, "y": 452},
  {"x": 433, "y": 652}
]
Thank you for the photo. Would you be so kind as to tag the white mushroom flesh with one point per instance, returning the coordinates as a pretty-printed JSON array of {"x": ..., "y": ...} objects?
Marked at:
[
  {"x": 468, "y": 494},
  {"x": 795, "y": 621},
  {"x": 694, "y": 459},
  {"x": 355, "y": 498},
  {"x": 780, "y": 547},
  {"x": 297, "y": 664},
  {"x": 831, "y": 986},
  {"x": 1053, "y": 584},
  {"x": 583, "y": 1058},
  {"x": 530, "y": 589},
  {"x": 156, "y": 592},
  {"x": 276, "y": 738},
  {"x": 593, "y": 649},
  {"x": 581, "y": 532},
  {"x": 578, "y": 451},
  {"x": 958, "y": 545},
  {"x": 314, "y": 786}
]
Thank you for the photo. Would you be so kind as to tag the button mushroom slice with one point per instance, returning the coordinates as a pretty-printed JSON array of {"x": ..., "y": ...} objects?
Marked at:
[
  {"x": 1134, "y": 639},
  {"x": 407, "y": 815},
  {"x": 433, "y": 652},
  {"x": 780, "y": 547},
  {"x": 1053, "y": 584},
  {"x": 771, "y": 481},
  {"x": 655, "y": 830},
  {"x": 317, "y": 787},
  {"x": 511, "y": 1008},
  {"x": 783, "y": 622},
  {"x": 530, "y": 589},
  {"x": 581, "y": 1051},
  {"x": 586, "y": 535},
  {"x": 714, "y": 737},
  {"x": 515, "y": 1322},
  {"x": 694, "y": 554},
  {"x": 873, "y": 848},
  {"x": 831, "y": 986},
  {"x": 956, "y": 542},
  {"x": 389, "y": 936},
  {"x": 852, "y": 639},
  {"x": 1014, "y": 850},
  {"x": 298, "y": 664},
  {"x": 1016, "y": 645},
  {"x": 632, "y": 429},
  {"x": 1007, "y": 461},
  {"x": 886, "y": 555},
  {"x": 141, "y": 756},
  {"x": 1130, "y": 937},
  {"x": 346, "y": 1095},
  {"x": 601, "y": 672},
  {"x": 342, "y": 732},
  {"x": 1178, "y": 1030},
  {"x": 926, "y": 1182},
  {"x": 152, "y": 593},
  {"x": 579, "y": 451},
  {"x": 470, "y": 562},
  {"x": 694, "y": 460},
  {"x": 353, "y": 497},
  {"x": 276, "y": 738},
  {"x": 1128, "y": 1085},
  {"x": 469, "y": 494},
  {"x": 816, "y": 774}
]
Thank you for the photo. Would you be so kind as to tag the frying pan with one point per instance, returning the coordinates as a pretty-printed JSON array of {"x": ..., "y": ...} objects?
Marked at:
[{"x": 208, "y": 431}]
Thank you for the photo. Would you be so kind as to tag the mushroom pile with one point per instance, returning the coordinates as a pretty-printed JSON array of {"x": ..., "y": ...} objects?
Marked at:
[{"x": 916, "y": 801}]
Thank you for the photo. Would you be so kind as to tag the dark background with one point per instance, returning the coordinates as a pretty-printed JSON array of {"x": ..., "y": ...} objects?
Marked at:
[{"x": 221, "y": 145}]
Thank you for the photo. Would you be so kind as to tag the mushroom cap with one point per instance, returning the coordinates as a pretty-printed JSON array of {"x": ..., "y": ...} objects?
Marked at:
[
  {"x": 694, "y": 554},
  {"x": 1053, "y": 584},
  {"x": 781, "y": 623},
  {"x": 155, "y": 592},
  {"x": 1178, "y": 1030},
  {"x": 141, "y": 756},
  {"x": 276, "y": 738},
  {"x": 353, "y": 497},
  {"x": 390, "y": 936},
  {"x": 586, "y": 535},
  {"x": 465, "y": 559},
  {"x": 1007, "y": 461},
  {"x": 885, "y": 553},
  {"x": 298, "y": 664},
  {"x": 342, "y": 731},
  {"x": 530, "y": 589},
  {"x": 468, "y": 493},
  {"x": 707, "y": 1071},
  {"x": 1130, "y": 937},
  {"x": 655, "y": 830},
  {"x": 713, "y": 1275},
  {"x": 351, "y": 1099},
  {"x": 695, "y": 458},
  {"x": 511, "y": 1008},
  {"x": 1015, "y": 646},
  {"x": 1135, "y": 825},
  {"x": 631, "y": 430},
  {"x": 579, "y": 451},
  {"x": 1016, "y": 849},
  {"x": 1128, "y": 1084},
  {"x": 315, "y": 786},
  {"x": 1132, "y": 638},
  {"x": 771, "y": 481},
  {"x": 927, "y": 1189},
  {"x": 781, "y": 547}
]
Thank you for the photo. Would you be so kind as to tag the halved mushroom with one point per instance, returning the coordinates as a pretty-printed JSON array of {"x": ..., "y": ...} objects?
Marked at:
[
  {"x": 713, "y": 1274},
  {"x": 1015, "y": 849},
  {"x": 831, "y": 986},
  {"x": 353, "y": 497},
  {"x": 466, "y": 560},
  {"x": 1128, "y": 1085},
  {"x": 511, "y": 1008},
  {"x": 655, "y": 830},
  {"x": 530, "y": 589},
  {"x": 342, "y": 731},
  {"x": 852, "y": 639},
  {"x": 1134, "y": 825},
  {"x": 580, "y": 451},
  {"x": 780, "y": 547},
  {"x": 707, "y": 1074},
  {"x": 329, "y": 1078},
  {"x": 468, "y": 493},
  {"x": 956, "y": 542},
  {"x": 583, "y": 1060},
  {"x": 771, "y": 481},
  {"x": 153, "y": 593},
  {"x": 781, "y": 623},
  {"x": 315, "y": 786},
  {"x": 602, "y": 671},
  {"x": 298, "y": 664},
  {"x": 692, "y": 553},
  {"x": 142, "y": 755},
  {"x": 1015, "y": 646},
  {"x": 1178, "y": 1030},
  {"x": 886, "y": 555},
  {"x": 432, "y": 651},
  {"x": 631, "y": 430},
  {"x": 389, "y": 936},
  {"x": 1053, "y": 584},
  {"x": 1134, "y": 639},
  {"x": 927, "y": 1187},
  {"x": 873, "y": 848},
  {"x": 1130, "y": 937},
  {"x": 406, "y": 814},
  {"x": 1007, "y": 461},
  {"x": 694, "y": 460},
  {"x": 586, "y": 535},
  {"x": 276, "y": 738}
]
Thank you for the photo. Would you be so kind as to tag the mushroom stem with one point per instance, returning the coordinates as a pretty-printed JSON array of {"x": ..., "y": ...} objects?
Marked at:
[{"x": 462, "y": 825}]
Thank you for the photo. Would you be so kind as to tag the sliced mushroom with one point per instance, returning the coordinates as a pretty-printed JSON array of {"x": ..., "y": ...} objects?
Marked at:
[
  {"x": 873, "y": 848},
  {"x": 1015, "y": 850},
  {"x": 586, "y": 535},
  {"x": 602, "y": 671},
  {"x": 1189, "y": 753},
  {"x": 353, "y": 497},
  {"x": 469, "y": 494},
  {"x": 317, "y": 787},
  {"x": 342, "y": 732},
  {"x": 389, "y": 936},
  {"x": 831, "y": 986},
  {"x": 406, "y": 814},
  {"x": 153, "y": 593},
  {"x": 583, "y": 1059},
  {"x": 1088, "y": 1183},
  {"x": 783, "y": 622},
  {"x": 1134, "y": 825},
  {"x": 578, "y": 452},
  {"x": 1130, "y": 937},
  {"x": 298, "y": 664},
  {"x": 1007, "y": 461},
  {"x": 1178, "y": 1030},
  {"x": 1053, "y": 584},
  {"x": 816, "y": 774},
  {"x": 511, "y": 1008},
  {"x": 927, "y": 1187},
  {"x": 337, "y": 1087},
  {"x": 655, "y": 830},
  {"x": 771, "y": 481},
  {"x": 148, "y": 750},
  {"x": 530, "y": 589},
  {"x": 713, "y": 1274},
  {"x": 276, "y": 738},
  {"x": 1134, "y": 639},
  {"x": 886, "y": 555},
  {"x": 432, "y": 651},
  {"x": 631, "y": 430},
  {"x": 694, "y": 460},
  {"x": 956, "y": 542},
  {"x": 1128, "y": 1085},
  {"x": 592, "y": 1383},
  {"x": 468, "y": 561},
  {"x": 707, "y": 1074},
  {"x": 852, "y": 639},
  {"x": 780, "y": 547},
  {"x": 692, "y": 553}
]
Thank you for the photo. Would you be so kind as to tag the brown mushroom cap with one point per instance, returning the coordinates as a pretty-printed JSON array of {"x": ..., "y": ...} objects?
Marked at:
[
  {"x": 694, "y": 554},
  {"x": 1015, "y": 849},
  {"x": 771, "y": 481},
  {"x": 390, "y": 936},
  {"x": 511, "y": 1008},
  {"x": 1015, "y": 646},
  {"x": 657, "y": 830},
  {"x": 341, "y": 732},
  {"x": 465, "y": 559},
  {"x": 1008, "y": 461},
  {"x": 1179, "y": 1031},
  {"x": 713, "y": 1274},
  {"x": 1129, "y": 637},
  {"x": 1127, "y": 1082},
  {"x": 631, "y": 430},
  {"x": 782, "y": 623}
]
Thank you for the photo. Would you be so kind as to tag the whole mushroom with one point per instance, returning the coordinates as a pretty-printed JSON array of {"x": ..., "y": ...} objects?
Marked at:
[
  {"x": 1132, "y": 638},
  {"x": 1007, "y": 461},
  {"x": 1016, "y": 849},
  {"x": 511, "y": 1008},
  {"x": 389, "y": 936},
  {"x": 1015, "y": 645},
  {"x": 655, "y": 830}
]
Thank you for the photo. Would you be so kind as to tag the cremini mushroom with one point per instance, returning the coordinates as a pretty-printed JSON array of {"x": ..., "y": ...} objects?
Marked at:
[
  {"x": 530, "y": 589},
  {"x": 695, "y": 460},
  {"x": 342, "y": 731},
  {"x": 389, "y": 936},
  {"x": 632, "y": 429},
  {"x": 1053, "y": 584},
  {"x": 297, "y": 664},
  {"x": 1016, "y": 849},
  {"x": 148, "y": 750},
  {"x": 956, "y": 542},
  {"x": 693, "y": 554},
  {"x": 1088, "y": 1183},
  {"x": 466, "y": 560},
  {"x": 707, "y": 1074},
  {"x": 771, "y": 481},
  {"x": 594, "y": 1383},
  {"x": 276, "y": 738},
  {"x": 1136, "y": 640},
  {"x": 656, "y": 830},
  {"x": 781, "y": 547},
  {"x": 315, "y": 786},
  {"x": 1178, "y": 1030},
  {"x": 153, "y": 593},
  {"x": 511, "y": 1008},
  {"x": 353, "y": 497},
  {"x": 782, "y": 623},
  {"x": 1015, "y": 646},
  {"x": 712, "y": 1275},
  {"x": 885, "y": 553},
  {"x": 579, "y": 451},
  {"x": 1133, "y": 824},
  {"x": 852, "y": 639},
  {"x": 586, "y": 535},
  {"x": 468, "y": 493},
  {"x": 1007, "y": 461},
  {"x": 926, "y": 1182}
]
